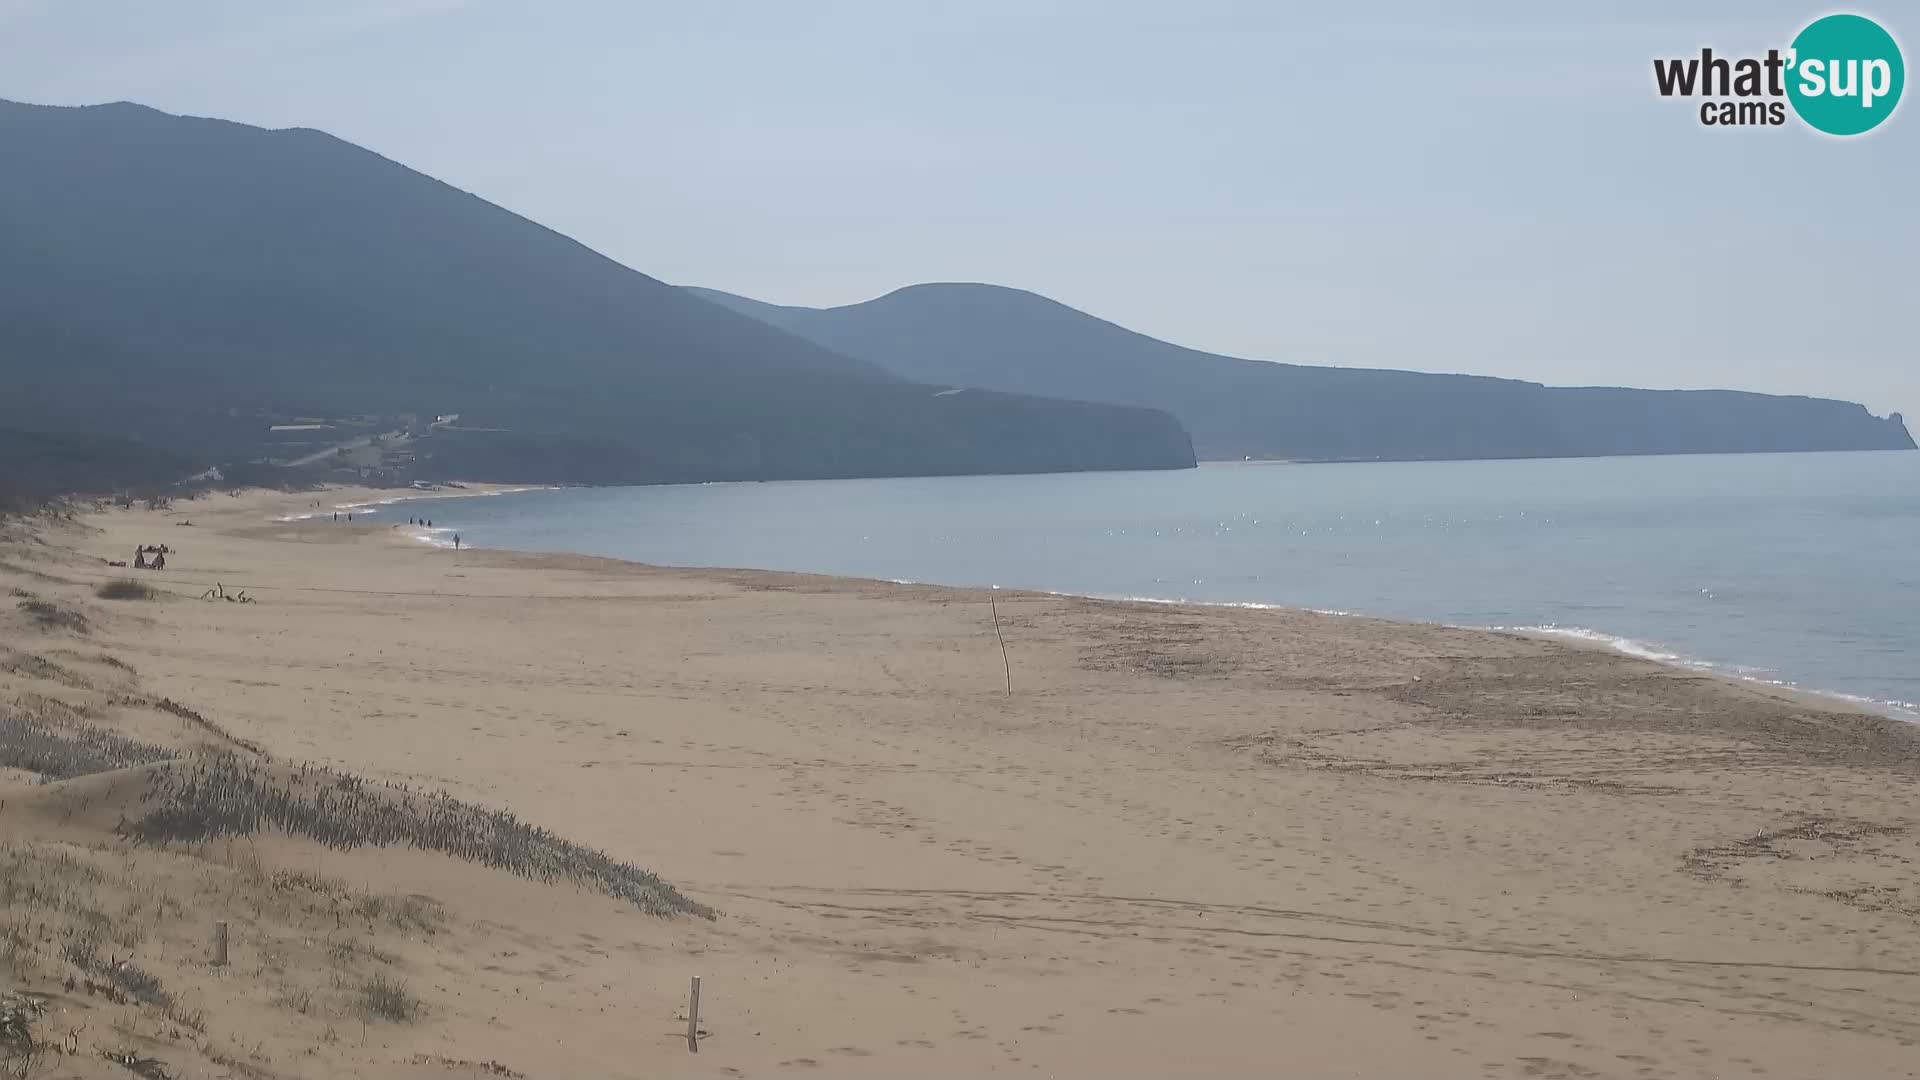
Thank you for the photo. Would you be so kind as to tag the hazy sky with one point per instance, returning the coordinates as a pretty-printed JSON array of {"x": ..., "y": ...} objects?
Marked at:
[{"x": 1496, "y": 190}]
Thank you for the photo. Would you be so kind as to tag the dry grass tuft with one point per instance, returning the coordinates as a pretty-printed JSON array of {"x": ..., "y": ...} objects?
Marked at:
[
  {"x": 127, "y": 589},
  {"x": 192, "y": 1019},
  {"x": 294, "y": 998},
  {"x": 16, "y": 952},
  {"x": 388, "y": 999}
]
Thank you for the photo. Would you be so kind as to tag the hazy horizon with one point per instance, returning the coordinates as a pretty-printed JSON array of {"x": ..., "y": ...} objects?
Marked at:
[{"x": 1501, "y": 194}]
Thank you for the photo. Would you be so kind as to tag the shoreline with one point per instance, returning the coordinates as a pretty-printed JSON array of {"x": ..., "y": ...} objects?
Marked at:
[
  {"x": 1898, "y": 710},
  {"x": 1573, "y": 637},
  {"x": 1351, "y": 844},
  {"x": 460, "y": 491},
  {"x": 1906, "y": 712}
]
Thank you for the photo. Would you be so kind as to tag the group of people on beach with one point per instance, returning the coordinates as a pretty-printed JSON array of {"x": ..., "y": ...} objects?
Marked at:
[
  {"x": 420, "y": 521},
  {"x": 159, "y": 552},
  {"x": 428, "y": 523}
]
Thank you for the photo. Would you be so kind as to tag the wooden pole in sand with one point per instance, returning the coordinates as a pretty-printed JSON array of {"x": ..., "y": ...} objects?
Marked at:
[
  {"x": 220, "y": 944},
  {"x": 1006, "y": 664},
  {"x": 693, "y": 1017}
]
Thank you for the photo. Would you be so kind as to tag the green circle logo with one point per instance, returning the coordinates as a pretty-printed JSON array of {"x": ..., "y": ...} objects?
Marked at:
[{"x": 1845, "y": 74}]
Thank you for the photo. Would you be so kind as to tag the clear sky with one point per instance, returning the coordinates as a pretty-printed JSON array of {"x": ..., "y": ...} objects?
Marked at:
[{"x": 1494, "y": 189}]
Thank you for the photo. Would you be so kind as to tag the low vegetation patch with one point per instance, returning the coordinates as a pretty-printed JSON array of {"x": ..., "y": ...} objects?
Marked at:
[
  {"x": 90, "y": 917},
  {"x": 222, "y": 795},
  {"x": 19, "y": 1052},
  {"x": 138, "y": 983},
  {"x": 48, "y": 615},
  {"x": 61, "y": 751},
  {"x": 121, "y": 925},
  {"x": 82, "y": 950},
  {"x": 14, "y": 945},
  {"x": 174, "y": 708},
  {"x": 294, "y": 999},
  {"x": 192, "y": 1019},
  {"x": 33, "y": 573},
  {"x": 413, "y": 913},
  {"x": 146, "y": 1068},
  {"x": 126, "y": 589},
  {"x": 30, "y": 666}
]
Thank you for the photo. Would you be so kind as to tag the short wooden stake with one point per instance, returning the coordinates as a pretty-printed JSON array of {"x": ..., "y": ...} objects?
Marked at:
[
  {"x": 693, "y": 1017},
  {"x": 220, "y": 944}
]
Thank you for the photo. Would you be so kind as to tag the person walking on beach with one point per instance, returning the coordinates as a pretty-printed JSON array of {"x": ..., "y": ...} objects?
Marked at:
[{"x": 456, "y": 541}]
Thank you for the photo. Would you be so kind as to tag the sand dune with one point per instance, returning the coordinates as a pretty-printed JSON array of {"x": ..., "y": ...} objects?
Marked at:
[{"x": 1190, "y": 841}]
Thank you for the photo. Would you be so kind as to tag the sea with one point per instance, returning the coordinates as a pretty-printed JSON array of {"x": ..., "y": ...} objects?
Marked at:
[{"x": 1799, "y": 570}]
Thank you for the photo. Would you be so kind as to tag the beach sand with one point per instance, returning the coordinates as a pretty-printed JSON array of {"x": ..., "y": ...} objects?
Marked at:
[{"x": 1189, "y": 841}]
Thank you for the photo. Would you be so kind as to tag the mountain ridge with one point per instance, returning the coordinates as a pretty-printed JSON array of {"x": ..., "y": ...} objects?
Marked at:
[
  {"x": 1004, "y": 338},
  {"x": 190, "y": 282}
]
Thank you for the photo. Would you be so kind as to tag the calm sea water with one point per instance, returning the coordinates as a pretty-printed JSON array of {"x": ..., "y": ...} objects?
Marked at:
[{"x": 1802, "y": 569}]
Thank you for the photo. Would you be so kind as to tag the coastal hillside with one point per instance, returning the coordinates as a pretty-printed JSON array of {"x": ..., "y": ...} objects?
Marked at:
[
  {"x": 228, "y": 292},
  {"x": 1015, "y": 341}
]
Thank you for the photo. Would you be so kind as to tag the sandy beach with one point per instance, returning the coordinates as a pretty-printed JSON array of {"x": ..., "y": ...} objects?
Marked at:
[{"x": 1197, "y": 841}]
